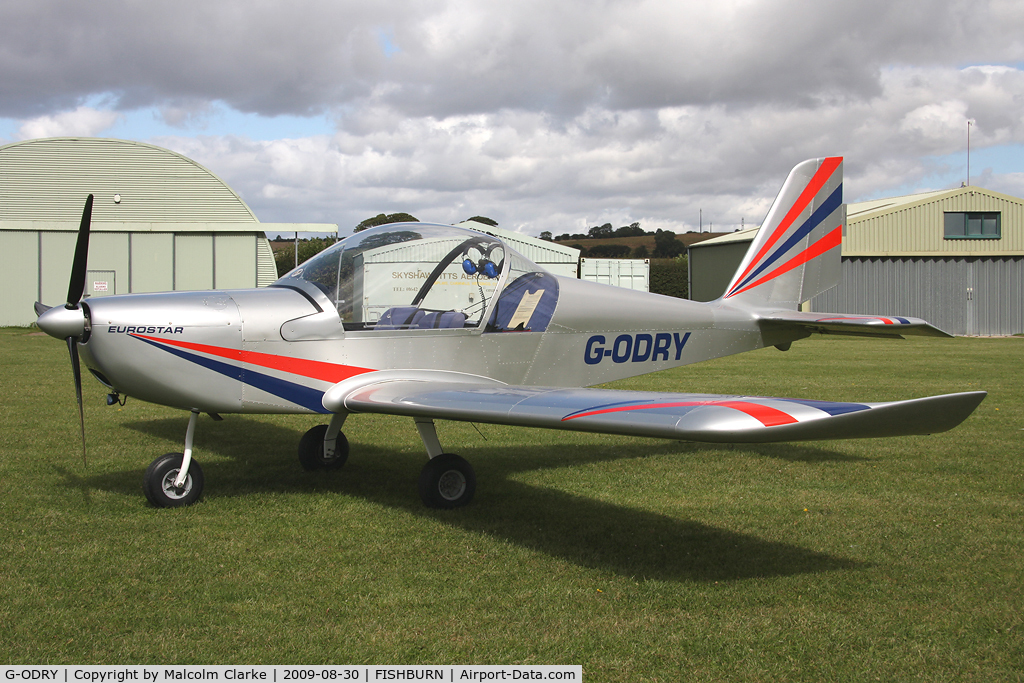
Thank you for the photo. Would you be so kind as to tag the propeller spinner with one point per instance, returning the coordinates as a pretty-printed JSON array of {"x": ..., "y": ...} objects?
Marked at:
[{"x": 68, "y": 322}]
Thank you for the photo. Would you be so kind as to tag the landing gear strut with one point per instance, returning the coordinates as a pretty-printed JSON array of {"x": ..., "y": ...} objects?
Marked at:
[
  {"x": 175, "y": 479},
  {"x": 447, "y": 480},
  {"x": 324, "y": 446}
]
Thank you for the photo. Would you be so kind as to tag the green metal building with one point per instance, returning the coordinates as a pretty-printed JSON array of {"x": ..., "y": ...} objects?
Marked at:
[
  {"x": 952, "y": 257},
  {"x": 161, "y": 222}
]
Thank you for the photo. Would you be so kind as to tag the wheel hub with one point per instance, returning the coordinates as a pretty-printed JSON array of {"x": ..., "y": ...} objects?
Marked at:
[
  {"x": 172, "y": 491},
  {"x": 451, "y": 485}
]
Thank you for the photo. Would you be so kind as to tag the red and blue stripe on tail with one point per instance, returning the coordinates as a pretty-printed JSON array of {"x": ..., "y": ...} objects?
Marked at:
[{"x": 795, "y": 254}]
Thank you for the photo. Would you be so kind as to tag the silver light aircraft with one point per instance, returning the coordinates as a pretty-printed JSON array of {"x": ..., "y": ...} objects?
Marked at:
[{"x": 439, "y": 322}]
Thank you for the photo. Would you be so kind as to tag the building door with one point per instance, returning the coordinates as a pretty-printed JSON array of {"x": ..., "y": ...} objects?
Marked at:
[{"x": 100, "y": 283}]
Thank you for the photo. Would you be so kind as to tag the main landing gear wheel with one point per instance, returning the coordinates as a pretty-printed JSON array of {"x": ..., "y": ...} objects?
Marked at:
[
  {"x": 447, "y": 482},
  {"x": 311, "y": 450},
  {"x": 158, "y": 484}
]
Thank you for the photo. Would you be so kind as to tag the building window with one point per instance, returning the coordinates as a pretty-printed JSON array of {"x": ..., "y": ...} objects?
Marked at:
[{"x": 973, "y": 225}]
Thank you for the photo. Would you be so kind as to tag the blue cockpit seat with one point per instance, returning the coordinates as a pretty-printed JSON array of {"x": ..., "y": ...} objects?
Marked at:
[
  {"x": 435, "y": 320},
  {"x": 511, "y": 314},
  {"x": 413, "y": 318}
]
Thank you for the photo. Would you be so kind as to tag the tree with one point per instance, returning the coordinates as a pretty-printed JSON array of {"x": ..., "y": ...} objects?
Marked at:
[
  {"x": 397, "y": 237},
  {"x": 546, "y": 236},
  {"x": 666, "y": 245},
  {"x": 384, "y": 219},
  {"x": 485, "y": 220},
  {"x": 601, "y": 231},
  {"x": 308, "y": 248},
  {"x": 631, "y": 230}
]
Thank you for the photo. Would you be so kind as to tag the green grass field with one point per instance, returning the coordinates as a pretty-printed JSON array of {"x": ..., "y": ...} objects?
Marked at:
[{"x": 640, "y": 559}]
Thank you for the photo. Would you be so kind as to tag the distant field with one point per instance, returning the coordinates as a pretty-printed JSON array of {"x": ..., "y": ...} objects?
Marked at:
[{"x": 641, "y": 560}]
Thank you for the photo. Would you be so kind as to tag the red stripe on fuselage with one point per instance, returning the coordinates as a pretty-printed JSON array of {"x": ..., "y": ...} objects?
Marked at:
[
  {"x": 769, "y": 417},
  {"x": 315, "y": 369}
]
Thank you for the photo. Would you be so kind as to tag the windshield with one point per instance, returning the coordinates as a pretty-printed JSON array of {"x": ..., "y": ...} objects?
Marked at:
[{"x": 412, "y": 276}]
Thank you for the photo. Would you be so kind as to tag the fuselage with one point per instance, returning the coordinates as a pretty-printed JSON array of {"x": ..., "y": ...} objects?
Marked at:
[
  {"x": 228, "y": 351},
  {"x": 278, "y": 349}
]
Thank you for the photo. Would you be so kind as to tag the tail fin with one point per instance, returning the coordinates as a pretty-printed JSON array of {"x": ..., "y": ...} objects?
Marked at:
[{"x": 795, "y": 254}]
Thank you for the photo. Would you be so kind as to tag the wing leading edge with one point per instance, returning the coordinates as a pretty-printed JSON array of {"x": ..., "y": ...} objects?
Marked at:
[{"x": 690, "y": 417}]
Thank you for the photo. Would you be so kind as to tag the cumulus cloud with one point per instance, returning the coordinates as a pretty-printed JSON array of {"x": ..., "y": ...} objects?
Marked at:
[
  {"x": 82, "y": 122},
  {"x": 536, "y": 171},
  {"x": 441, "y": 57},
  {"x": 545, "y": 116},
  {"x": 189, "y": 114}
]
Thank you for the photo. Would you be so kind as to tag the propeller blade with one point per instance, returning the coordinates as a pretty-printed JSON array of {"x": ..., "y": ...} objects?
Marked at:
[
  {"x": 76, "y": 367},
  {"x": 76, "y": 287},
  {"x": 41, "y": 308}
]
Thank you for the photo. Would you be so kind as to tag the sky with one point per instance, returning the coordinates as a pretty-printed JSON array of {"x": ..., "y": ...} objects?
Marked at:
[{"x": 544, "y": 116}]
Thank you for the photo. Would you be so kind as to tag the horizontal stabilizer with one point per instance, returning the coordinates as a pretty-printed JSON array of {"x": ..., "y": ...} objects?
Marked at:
[
  {"x": 855, "y": 325},
  {"x": 691, "y": 417}
]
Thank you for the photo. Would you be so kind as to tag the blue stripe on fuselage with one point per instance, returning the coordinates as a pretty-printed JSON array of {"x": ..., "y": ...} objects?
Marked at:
[{"x": 308, "y": 398}]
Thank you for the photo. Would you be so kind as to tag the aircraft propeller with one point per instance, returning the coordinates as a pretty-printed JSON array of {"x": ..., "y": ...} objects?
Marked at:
[{"x": 68, "y": 322}]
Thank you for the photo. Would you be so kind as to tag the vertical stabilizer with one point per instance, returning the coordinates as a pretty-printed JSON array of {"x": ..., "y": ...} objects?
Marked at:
[{"x": 795, "y": 254}]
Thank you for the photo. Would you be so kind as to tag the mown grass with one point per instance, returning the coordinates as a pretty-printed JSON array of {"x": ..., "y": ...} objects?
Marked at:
[{"x": 640, "y": 559}]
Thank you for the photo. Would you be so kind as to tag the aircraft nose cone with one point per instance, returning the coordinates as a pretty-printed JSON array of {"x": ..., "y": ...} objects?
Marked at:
[{"x": 62, "y": 322}]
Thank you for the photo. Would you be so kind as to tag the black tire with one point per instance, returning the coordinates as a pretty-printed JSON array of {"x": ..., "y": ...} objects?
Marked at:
[
  {"x": 447, "y": 482},
  {"x": 158, "y": 484},
  {"x": 311, "y": 450}
]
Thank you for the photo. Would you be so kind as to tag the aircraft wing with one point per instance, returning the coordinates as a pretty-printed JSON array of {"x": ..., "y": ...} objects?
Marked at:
[
  {"x": 690, "y": 417},
  {"x": 857, "y": 325}
]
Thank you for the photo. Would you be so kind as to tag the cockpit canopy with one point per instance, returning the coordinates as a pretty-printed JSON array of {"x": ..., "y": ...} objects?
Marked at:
[{"x": 419, "y": 276}]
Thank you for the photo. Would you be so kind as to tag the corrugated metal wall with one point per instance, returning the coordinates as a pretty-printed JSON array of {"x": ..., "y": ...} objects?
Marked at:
[
  {"x": 172, "y": 225},
  {"x": 49, "y": 179},
  {"x": 152, "y": 261},
  {"x": 266, "y": 267},
  {"x": 21, "y": 277},
  {"x": 40, "y": 264},
  {"x": 710, "y": 268},
  {"x": 963, "y": 296}
]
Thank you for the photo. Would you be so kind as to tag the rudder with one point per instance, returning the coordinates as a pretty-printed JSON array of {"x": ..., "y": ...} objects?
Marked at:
[{"x": 796, "y": 252}]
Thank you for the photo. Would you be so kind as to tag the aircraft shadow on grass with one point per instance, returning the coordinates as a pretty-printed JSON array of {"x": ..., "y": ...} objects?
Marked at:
[{"x": 584, "y": 531}]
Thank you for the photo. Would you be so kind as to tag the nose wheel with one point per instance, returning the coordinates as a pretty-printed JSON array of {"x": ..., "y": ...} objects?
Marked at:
[
  {"x": 161, "y": 482},
  {"x": 175, "y": 480}
]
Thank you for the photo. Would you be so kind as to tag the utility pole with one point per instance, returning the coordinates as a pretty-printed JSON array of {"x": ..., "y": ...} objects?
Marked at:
[{"x": 968, "y": 152}]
